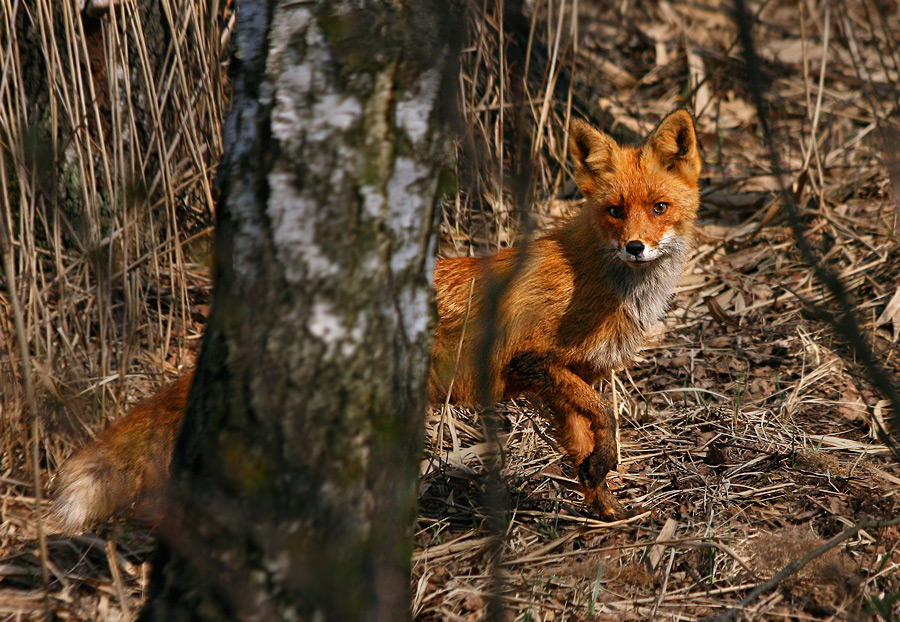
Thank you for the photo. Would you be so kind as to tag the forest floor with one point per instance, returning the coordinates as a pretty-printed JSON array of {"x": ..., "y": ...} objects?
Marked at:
[{"x": 749, "y": 428}]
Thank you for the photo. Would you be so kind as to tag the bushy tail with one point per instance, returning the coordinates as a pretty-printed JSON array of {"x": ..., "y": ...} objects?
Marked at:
[
  {"x": 88, "y": 489},
  {"x": 127, "y": 464}
]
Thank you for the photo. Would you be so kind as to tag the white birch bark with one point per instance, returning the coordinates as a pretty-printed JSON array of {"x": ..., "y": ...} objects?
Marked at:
[{"x": 296, "y": 467}]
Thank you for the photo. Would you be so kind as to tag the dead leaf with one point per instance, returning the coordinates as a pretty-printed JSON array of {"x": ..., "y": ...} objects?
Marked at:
[
  {"x": 681, "y": 361},
  {"x": 714, "y": 455}
]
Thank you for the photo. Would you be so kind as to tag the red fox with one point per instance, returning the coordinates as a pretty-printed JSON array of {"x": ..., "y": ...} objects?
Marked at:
[{"x": 577, "y": 305}]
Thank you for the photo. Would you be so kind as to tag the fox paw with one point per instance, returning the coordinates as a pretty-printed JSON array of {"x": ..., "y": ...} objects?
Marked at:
[
  {"x": 604, "y": 503},
  {"x": 597, "y": 495}
]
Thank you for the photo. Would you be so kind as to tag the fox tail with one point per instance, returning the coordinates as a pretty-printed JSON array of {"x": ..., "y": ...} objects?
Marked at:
[
  {"x": 127, "y": 464},
  {"x": 89, "y": 489}
]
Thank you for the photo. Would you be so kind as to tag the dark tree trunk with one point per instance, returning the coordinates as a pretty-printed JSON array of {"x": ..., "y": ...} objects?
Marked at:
[{"x": 295, "y": 473}]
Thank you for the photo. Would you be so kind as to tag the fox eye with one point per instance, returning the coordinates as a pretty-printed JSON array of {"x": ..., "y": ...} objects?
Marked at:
[
  {"x": 660, "y": 208},
  {"x": 617, "y": 211}
]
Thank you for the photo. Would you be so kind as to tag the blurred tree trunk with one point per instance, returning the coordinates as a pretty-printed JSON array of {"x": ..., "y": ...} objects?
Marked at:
[{"x": 294, "y": 485}]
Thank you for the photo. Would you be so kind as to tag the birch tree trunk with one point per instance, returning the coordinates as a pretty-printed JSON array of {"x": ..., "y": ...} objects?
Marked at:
[{"x": 294, "y": 484}]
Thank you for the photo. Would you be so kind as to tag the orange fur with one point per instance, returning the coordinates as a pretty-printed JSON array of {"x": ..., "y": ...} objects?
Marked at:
[
  {"x": 577, "y": 304},
  {"x": 127, "y": 463}
]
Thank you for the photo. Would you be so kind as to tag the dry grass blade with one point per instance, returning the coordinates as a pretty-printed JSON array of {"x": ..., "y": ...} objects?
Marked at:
[
  {"x": 28, "y": 378},
  {"x": 107, "y": 148}
]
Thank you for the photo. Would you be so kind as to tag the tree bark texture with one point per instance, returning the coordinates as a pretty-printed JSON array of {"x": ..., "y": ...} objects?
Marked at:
[{"x": 294, "y": 477}]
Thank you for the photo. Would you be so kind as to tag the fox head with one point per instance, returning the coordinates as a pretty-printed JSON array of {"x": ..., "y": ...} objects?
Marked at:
[{"x": 642, "y": 201}]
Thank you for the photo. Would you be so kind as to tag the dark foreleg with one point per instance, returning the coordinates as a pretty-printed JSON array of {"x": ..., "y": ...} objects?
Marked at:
[{"x": 584, "y": 423}]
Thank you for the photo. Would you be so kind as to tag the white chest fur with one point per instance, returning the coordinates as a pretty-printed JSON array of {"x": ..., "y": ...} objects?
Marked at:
[{"x": 645, "y": 294}]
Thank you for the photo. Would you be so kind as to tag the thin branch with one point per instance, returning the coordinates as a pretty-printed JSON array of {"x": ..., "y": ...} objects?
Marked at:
[
  {"x": 843, "y": 320},
  {"x": 797, "y": 565}
]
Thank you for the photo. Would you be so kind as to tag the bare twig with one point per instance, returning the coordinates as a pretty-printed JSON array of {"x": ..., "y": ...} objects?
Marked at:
[
  {"x": 844, "y": 319},
  {"x": 798, "y": 564}
]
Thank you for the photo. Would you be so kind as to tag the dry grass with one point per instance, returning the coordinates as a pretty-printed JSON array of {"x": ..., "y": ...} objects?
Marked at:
[
  {"x": 108, "y": 150},
  {"x": 748, "y": 431}
]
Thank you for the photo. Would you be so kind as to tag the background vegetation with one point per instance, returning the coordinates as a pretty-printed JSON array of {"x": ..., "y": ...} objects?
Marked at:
[{"x": 749, "y": 427}]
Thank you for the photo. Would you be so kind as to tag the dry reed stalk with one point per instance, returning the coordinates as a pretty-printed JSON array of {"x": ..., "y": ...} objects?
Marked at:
[{"x": 107, "y": 156}]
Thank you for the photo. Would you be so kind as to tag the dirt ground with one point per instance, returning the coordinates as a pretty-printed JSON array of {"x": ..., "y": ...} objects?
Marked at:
[{"x": 749, "y": 427}]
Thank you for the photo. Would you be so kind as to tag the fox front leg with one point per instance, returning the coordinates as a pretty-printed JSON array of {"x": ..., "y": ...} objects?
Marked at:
[
  {"x": 598, "y": 422},
  {"x": 592, "y": 472},
  {"x": 585, "y": 425}
]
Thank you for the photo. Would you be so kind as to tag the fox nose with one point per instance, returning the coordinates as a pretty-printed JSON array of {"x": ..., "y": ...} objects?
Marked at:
[{"x": 635, "y": 247}]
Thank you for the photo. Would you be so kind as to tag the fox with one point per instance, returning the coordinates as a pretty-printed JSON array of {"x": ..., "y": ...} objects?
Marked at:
[{"x": 577, "y": 304}]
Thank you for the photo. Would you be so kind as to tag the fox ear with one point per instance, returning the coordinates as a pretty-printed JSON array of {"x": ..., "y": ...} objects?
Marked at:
[
  {"x": 594, "y": 154},
  {"x": 673, "y": 144}
]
